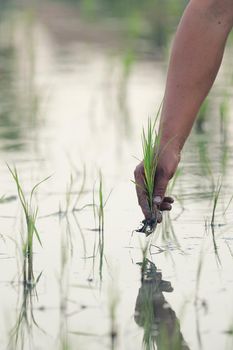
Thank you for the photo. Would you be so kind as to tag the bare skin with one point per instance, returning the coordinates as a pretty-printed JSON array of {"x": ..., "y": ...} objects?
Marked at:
[{"x": 195, "y": 60}]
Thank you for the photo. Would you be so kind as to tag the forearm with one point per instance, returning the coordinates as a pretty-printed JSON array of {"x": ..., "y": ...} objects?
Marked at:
[{"x": 196, "y": 56}]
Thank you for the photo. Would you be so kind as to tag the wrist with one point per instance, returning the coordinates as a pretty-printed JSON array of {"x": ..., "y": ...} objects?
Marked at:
[
  {"x": 172, "y": 145},
  {"x": 168, "y": 159}
]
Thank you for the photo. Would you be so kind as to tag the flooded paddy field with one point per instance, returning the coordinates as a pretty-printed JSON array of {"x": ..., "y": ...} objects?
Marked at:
[{"x": 74, "y": 95}]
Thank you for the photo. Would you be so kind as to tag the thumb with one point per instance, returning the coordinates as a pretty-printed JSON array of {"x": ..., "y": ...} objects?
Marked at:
[{"x": 160, "y": 187}]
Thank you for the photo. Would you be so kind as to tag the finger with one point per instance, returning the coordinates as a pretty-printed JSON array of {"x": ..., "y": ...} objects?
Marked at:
[
  {"x": 159, "y": 217},
  {"x": 161, "y": 183},
  {"x": 165, "y": 206},
  {"x": 141, "y": 192},
  {"x": 168, "y": 199}
]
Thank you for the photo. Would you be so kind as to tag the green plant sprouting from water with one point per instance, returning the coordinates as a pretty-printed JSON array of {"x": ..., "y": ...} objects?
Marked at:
[
  {"x": 30, "y": 214},
  {"x": 69, "y": 207},
  {"x": 26, "y": 318},
  {"x": 202, "y": 115}
]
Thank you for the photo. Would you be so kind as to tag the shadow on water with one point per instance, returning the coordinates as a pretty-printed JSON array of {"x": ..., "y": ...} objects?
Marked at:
[{"x": 152, "y": 312}]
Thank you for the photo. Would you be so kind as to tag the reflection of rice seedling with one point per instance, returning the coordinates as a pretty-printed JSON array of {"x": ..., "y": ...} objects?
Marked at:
[
  {"x": 228, "y": 204},
  {"x": 69, "y": 194},
  {"x": 215, "y": 246},
  {"x": 98, "y": 210},
  {"x": 64, "y": 288},
  {"x": 197, "y": 299},
  {"x": 81, "y": 190},
  {"x": 22, "y": 329},
  {"x": 198, "y": 275},
  {"x": 215, "y": 201},
  {"x": 230, "y": 250},
  {"x": 212, "y": 223},
  {"x": 113, "y": 303},
  {"x": 7, "y": 199},
  {"x": 143, "y": 264}
]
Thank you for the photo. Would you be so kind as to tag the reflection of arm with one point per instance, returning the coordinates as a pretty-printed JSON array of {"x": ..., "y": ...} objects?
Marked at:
[
  {"x": 157, "y": 318},
  {"x": 195, "y": 60},
  {"x": 169, "y": 334}
]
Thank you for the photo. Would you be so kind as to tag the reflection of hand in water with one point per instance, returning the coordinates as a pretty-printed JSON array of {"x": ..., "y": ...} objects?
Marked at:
[{"x": 153, "y": 313}]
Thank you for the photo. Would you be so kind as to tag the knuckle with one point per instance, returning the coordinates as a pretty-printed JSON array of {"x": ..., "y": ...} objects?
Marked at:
[{"x": 138, "y": 171}]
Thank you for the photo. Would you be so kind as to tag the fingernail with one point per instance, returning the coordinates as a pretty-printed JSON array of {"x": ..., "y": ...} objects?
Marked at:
[{"x": 157, "y": 200}]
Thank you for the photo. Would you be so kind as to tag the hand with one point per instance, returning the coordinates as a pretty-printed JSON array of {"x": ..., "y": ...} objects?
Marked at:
[{"x": 166, "y": 167}]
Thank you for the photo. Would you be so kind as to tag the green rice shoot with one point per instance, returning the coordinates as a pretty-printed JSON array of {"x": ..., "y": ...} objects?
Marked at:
[
  {"x": 30, "y": 214},
  {"x": 150, "y": 146}
]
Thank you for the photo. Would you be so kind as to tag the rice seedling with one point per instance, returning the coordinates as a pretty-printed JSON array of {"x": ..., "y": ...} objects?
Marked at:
[
  {"x": 30, "y": 215},
  {"x": 167, "y": 229},
  {"x": 128, "y": 61},
  {"x": 202, "y": 116},
  {"x": 228, "y": 204},
  {"x": 168, "y": 232},
  {"x": 101, "y": 204},
  {"x": 71, "y": 205},
  {"x": 205, "y": 162},
  {"x": 150, "y": 146},
  {"x": 224, "y": 113}
]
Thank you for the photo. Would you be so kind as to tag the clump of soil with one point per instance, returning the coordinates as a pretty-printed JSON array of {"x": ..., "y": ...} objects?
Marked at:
[{"x": 147, "y": 226}]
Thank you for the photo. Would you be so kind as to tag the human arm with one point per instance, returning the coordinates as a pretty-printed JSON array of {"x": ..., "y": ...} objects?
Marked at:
[{"x": 195, "y": 60}]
